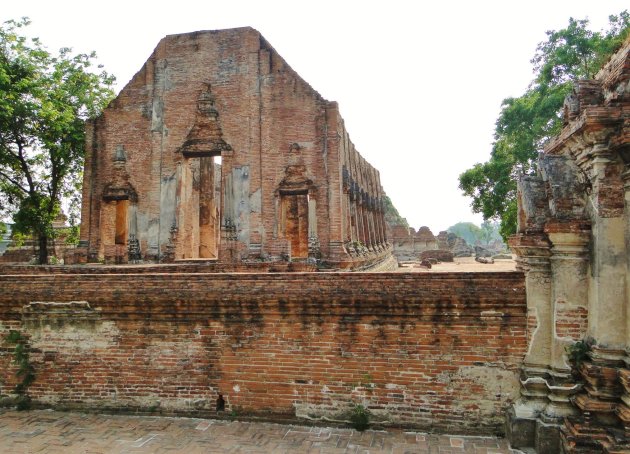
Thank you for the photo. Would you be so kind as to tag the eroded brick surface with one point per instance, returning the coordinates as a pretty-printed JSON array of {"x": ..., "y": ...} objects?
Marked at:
[
  {"x": 431, "y": 351},
  {"x": 292, "y": 184}
]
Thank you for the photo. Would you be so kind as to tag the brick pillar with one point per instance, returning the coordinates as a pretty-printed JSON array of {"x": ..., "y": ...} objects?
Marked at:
[
  {"x": 569, "y": 299},
  {"x": 345, "y": 208},
  {"x": 607, "y": 324},
  {"x": 348, "y": 216},
  {"x": 623, "y": 409},
  {"x": 360, "y": 227},
  {"x": 626, "y": 187},
  {"x": 369, "y": 231},
  {"x": 353, "y": 220},
  {"x": 366, "y": 226},
  {"x": 227, "y": 240},
  {"x": 373, "y": 231},
  {"x": 379, "y": 226},
  {"x": 332, "y": 150},
  {"x": 533, "y": 252},
  {"x": 384, "y": 224},
  {"x": 378, "y": 214},
  {"x": 88, "y": 194}
]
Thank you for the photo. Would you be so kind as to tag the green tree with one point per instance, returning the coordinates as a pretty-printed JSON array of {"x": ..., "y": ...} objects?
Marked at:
[
  {"x": 44, "y": 101},
  {"x": 489, "y": 232},
  {"x": 470, "y": 232},
  {"x": 526, "y": 123}
]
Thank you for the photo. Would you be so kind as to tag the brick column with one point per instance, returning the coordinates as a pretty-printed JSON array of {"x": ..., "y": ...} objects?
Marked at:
[
  {"x": 227, "y": 239},
  {"x": 623, "y": 409},
  {"x": 608, "y": 267},
  {"x": 360, "y": 219},
  {"x": 88, "y": 229},
  {"x": 347, "y": 231},
  {"x": 332, "y": 151},
  {"x": 533, "y": 252},
  {"x": 569, "y": 299},
  {"x": 567, "y": 293},
  {"x": 379, "y": 221},
  {"x": 626, "y": 187},
  {"x": 368, "y": 214}
]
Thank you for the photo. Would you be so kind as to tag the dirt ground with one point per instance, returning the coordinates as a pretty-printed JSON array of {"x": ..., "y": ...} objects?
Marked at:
[{"x": 463, "y": 264}]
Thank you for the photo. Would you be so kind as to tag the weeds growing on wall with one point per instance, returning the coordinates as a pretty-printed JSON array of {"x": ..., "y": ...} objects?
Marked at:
[
  {"x": 25, "y": 372},
  {"x": 578, "y": 351},
  {"x": 360, "y": 417}
]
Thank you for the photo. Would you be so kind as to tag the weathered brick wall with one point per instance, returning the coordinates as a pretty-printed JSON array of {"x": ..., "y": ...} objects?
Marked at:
[
  {"x": 571, "y": 322},
  {"x": 436, "y": 351}
]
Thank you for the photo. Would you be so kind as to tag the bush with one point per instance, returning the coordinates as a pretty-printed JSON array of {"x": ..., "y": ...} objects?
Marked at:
[{"x": 578, "y": 352}]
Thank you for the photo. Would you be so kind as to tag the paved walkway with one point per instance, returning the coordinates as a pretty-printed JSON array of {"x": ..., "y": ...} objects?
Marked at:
[{"x": 45, "y": 431}]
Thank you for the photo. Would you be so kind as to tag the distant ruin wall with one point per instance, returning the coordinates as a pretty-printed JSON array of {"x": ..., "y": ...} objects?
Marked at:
[
  {"x": 408, "y": 245},
  {"x": 432, "y": 351}
]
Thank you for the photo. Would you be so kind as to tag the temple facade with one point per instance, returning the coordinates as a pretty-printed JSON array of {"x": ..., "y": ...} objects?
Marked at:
[
  {"x": 573, "y": 245},
  {"x": 217, "y": 150}
]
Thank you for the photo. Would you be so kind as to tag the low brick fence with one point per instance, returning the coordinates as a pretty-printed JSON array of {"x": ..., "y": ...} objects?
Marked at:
[{"x": 426, "y": 350}]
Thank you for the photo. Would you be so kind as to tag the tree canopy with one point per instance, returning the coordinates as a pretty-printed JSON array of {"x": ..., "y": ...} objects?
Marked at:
[
  {"x": 473, "y": 234},
  {"x": 526, "y": 123},
  {"x": 44, "y": 102}
]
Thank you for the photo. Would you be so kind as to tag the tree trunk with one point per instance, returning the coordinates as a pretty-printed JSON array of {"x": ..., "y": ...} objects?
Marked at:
[{"x": 43, "y": 249}]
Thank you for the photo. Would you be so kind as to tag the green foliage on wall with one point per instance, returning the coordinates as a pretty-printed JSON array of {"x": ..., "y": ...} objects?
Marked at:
[{"x": 25, "y": 371}]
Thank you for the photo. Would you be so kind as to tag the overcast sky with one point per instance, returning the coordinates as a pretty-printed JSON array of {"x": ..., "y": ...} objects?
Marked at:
[{"x": 419, "y": 83}]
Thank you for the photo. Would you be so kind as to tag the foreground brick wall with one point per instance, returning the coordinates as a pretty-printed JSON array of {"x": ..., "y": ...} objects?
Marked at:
[{"x": 438, "y": 351}]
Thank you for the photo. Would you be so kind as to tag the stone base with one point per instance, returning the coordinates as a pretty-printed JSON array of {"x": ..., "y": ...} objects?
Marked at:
[
  {"x": 535, "y": 433},
  {"x": 547, "y": 438},
  {"x": 520, "y": 431}
]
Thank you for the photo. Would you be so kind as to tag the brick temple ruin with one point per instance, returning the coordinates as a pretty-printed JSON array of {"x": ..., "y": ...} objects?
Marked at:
[
  {"x": 435, "y": 351},
  {"x": 457, "y": 352},
  {"x": 218, "y": 150},
  {"x": 573, "y": 244}
]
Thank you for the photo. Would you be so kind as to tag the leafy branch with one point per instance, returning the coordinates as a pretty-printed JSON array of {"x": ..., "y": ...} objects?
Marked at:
[
  {"x": 45, "y": 99},
  {"x": 26, "y": 371},
  {"x": 578, "y": 351},
  {"x": 527, "y": 123}
]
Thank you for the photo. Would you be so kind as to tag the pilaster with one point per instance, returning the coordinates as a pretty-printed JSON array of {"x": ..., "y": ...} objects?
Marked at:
[
  {"x": 533, "y": 252},
  {"x": 569, "y": 266},
  {"x": 569, "y": 306},
  {"x": 626, "y": 187},
  {"x": 607, "y": 312}
]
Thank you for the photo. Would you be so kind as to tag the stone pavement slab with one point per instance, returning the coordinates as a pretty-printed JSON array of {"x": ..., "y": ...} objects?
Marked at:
[{"x": 45, "y": 431}]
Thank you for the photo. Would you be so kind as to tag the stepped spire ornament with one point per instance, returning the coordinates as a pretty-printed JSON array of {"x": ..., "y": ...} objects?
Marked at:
[{"x": 205, "y": 138}]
